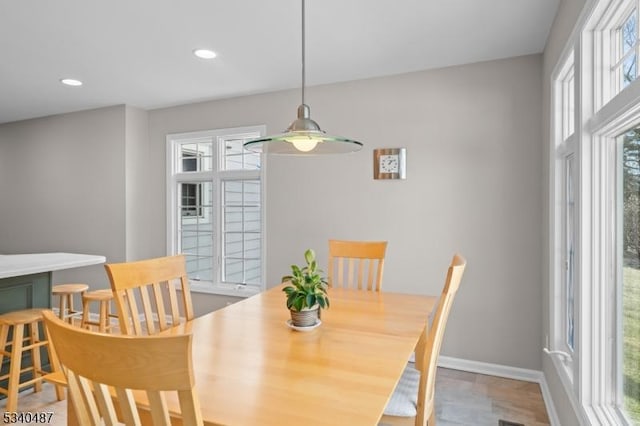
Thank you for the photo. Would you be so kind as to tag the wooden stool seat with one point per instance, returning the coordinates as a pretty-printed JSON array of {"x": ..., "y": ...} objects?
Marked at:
[
  {"x": 104, "y": 298},
  {"x": 24, "y": 316},
  {"x": 98, "y": 295},
  {"x": 69, "y": 288},
  {"x": 65, "y": 293},
  {"x": 26, "y": 337}
]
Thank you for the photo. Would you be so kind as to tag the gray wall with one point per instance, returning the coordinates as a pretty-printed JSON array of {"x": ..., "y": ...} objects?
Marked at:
[
  {"x": 565, "y": 20},
  {"x": 61, "y": 184},
  {"x": 473, "y": 138},
  {"x": 136, "y": 184}
]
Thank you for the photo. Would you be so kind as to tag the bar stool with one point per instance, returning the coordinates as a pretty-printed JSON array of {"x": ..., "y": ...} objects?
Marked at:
[
  {"x": 21, "y": 342},
  {"x": 65, "y": 293},
  {"x": 104, "y": 298}
]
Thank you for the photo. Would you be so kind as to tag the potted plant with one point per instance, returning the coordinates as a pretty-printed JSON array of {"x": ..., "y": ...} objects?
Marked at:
[{"x": 306, "y": 292}]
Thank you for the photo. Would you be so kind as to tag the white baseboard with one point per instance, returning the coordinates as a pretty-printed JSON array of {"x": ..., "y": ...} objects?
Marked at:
[{"x": 508, "y": 372}]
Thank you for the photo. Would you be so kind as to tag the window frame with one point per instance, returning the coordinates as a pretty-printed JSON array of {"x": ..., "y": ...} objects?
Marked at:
[
  {"x": 216, "y": 176},
  {"x": 564, "y": 146}
]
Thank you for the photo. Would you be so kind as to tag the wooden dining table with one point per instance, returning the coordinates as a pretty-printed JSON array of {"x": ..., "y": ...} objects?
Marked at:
[{"x": 251, "y": 368}]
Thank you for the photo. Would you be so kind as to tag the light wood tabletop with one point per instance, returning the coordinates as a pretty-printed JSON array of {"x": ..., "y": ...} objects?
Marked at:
[{"x": 252, "y": 369}]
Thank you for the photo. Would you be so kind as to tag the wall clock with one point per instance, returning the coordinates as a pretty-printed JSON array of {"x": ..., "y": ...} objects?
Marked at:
[{"x": 389, "y": 163}]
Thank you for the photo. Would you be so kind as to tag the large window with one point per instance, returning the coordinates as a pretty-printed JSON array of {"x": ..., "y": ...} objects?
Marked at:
[
  {"x": 595, "y": 216},
  {"x": 215, "y": 215}
]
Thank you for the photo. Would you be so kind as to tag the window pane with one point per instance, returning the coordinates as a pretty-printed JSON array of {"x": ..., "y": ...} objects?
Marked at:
[
  {"x": 569, "y": 252},
  {"x": 252, "y": 245},
  {"x": 252, "y": 271},
  {"x": 629, "y": 70},
  {"x": 627, "y": 56},
  {"x": 570, "y": 106},
  {"x": 196, "y": 156},
  {"x": 196, "y": 228},
  {"x": 233, "y": 193},
  {"x": 568, "y": 102},
  {"x": 629, "y": 33},
  {"x": 241, "y": 231},
  {"x": 631, "y": 273},
  {"x": 235, "y": 157},
  {"x": 233, "y": 270}
]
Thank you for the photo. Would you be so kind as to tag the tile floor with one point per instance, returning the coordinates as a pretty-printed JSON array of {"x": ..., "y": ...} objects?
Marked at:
[{"x": 462, "y": 399}]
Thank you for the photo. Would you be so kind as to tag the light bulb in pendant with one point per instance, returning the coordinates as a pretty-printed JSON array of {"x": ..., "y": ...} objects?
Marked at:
[{"x": 304, "y": 143}]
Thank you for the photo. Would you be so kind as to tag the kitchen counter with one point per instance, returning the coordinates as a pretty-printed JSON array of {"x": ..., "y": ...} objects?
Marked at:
[
  {"x": 25, "y": 279},
  {"x": 25, "y": 282},
  {"x": 14, "y": 265}
]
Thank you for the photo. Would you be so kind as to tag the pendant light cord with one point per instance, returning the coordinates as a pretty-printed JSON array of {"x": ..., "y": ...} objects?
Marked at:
[{"x": 303, "y": 48}]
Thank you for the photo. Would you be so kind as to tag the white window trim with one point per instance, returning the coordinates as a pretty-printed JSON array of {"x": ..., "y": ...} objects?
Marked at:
[
  {"x": 217, "y": 287},
  {"x": 565, "y": 362},
  {"x": 563, "y": 145}
]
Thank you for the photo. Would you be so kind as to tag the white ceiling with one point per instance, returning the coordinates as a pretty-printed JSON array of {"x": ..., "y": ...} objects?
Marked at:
[{"x": 139, "y": 52}]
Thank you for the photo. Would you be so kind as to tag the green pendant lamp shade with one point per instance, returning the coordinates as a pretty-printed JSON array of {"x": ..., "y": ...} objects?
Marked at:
[{"x": 303, "y": 136}]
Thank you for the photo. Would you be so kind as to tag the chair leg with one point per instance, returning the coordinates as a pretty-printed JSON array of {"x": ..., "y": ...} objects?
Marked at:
[
  {"x": 70, "y": 308},
  {"x": 85, "y": 314},
  {"x": 35, "y": 355},
  {"x": 55, "y": 363},
  {"x": 14, "y": 368},
  {"x": 62, "y": 306},
  {"x": 4, "y": 334},
  {"x": 104, "y": 317}
]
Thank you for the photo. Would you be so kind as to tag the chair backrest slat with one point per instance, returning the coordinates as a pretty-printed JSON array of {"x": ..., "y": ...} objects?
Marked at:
[
  {"x": 86, "y": 408},
  {"x": 356, "y": 255},
  {"x": 152, "y": 284},
  {"x": 159, "y": 410},
  {"x": 173, "y": 302},
  {"x": 148, "y": 311},
  {"x": 105, "y": 403},
  {"x": 95, "y": 363},
  {"x": 128, "y": 407}
]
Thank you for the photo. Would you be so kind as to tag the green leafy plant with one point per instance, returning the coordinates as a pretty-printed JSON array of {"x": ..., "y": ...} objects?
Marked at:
[{"x": 307, "y": 287}]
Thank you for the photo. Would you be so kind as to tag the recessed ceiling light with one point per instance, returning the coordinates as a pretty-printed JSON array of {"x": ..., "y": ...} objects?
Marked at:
[
  {"x": 70, "y": 82},
  {"x": 204, "y": 53}
]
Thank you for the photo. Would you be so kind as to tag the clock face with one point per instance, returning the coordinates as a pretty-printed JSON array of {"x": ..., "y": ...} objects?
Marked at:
[{"x": 389, "y": 163}]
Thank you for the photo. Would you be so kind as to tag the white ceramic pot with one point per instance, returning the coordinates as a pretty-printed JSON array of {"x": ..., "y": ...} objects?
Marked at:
[{"x": 307, "y": 317}]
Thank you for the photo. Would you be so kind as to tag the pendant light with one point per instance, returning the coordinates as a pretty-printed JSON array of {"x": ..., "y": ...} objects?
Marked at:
[{"x": 303, "y": 136}]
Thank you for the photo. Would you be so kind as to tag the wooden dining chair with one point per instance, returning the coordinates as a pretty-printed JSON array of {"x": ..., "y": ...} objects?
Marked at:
[
  {"x": 412, "y": 402},
  {"x": 356, "y": 264},
  {"x": 149, "y": 286},
  {"x": 99, "y": 367}
]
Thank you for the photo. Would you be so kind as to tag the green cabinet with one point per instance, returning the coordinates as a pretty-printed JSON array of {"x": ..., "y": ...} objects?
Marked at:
[{"x": 25, "y": 292}]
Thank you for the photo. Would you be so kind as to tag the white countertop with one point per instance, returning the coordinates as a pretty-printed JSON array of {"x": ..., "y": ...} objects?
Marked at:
[{"x": 14, "y": 265}]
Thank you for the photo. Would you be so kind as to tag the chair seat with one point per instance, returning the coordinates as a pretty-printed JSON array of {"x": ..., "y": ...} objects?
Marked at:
[{"x": 404, "y": 401}]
